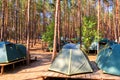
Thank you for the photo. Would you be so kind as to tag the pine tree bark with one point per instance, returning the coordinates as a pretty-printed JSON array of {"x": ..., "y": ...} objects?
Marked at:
[
  {"x": 55, "y": 30},
  {"x": 79, "y": 19},
  {"x": 98, "y": 22},
  {"x": 59, "y": 28},
  {"x": 28, "y": 36},
  {"x": 2, "y": 28},
  {"x": 116, "y": 22},
  {"x": 4, "y": 20},
  {"x": 16, "y": 20}
]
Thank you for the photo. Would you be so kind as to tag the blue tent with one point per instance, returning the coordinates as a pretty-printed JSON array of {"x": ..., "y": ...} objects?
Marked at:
[
  {"x": 11, "y": 52},
  {"x": 112, "y": 43},
  {"x": 108, "y": 59},
  {"x": 78, "y": 45},
  {"x": 107, "y": 41},
  {"x": 21, "y": 49},
  {"x": 104, "y": 40},
  {"x": 69, "y": 46},
  {"x": 93, "y": 46}
]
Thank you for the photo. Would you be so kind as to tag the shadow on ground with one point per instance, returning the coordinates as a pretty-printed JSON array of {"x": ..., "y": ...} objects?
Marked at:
[{"x": 42, "y": 60}]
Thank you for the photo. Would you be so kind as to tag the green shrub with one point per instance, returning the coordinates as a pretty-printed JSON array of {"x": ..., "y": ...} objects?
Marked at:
[
  {"x": 89, "y": 30},
  {"x": 48, "y": 36}
]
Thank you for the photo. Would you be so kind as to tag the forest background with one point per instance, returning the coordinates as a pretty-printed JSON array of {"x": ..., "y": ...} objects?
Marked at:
[{"x": 25, "y": 21}]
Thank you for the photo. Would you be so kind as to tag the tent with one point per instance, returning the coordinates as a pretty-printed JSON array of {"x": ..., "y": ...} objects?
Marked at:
[
  {"x": 93, "y": 46},
  {"x": 9, "y": 52},
  {"x": 107, "y": 41},
  {"x": 69, "y": 46},
  {"x": 104, "y": 41},
  {"x": 71, "y": 61},
  {"x": 108, "y": 59},
  {"x": 21, "y": 49},
  {"x": 78, "y": 46}
]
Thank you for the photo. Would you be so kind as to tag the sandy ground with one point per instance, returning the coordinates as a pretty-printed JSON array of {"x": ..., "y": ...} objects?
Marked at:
[
  {"x": 27, "y": 72},
  {"x": 32, "y": 71}
]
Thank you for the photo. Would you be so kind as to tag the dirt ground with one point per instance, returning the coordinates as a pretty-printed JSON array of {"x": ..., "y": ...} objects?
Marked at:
[{"x": 32, "y": 71}]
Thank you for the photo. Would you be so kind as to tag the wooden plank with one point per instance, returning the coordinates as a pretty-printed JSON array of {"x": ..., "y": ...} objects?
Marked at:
[
  {"x": 45, "y": 74},
  {"x": 50, "y": 74},
  {"x": 108, "y": 76},
  {"x": 96, "y": 75},
  {"x": 81, "y": 76},
  {"x": 4, "y": 64},
  {"x": 56, "y": 74},
  {"x": 63, "y": 76},
  {"x": 88, "y": 76}
]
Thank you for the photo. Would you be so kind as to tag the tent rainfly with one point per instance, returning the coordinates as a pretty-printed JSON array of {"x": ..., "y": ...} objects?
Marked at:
[
  {"x": 71, "y": 61},
  {"x": 10, "y": 52},
  {"x": 108, "y": 59}
]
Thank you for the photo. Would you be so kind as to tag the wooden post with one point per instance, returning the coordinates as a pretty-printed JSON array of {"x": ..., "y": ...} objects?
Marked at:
[{"x": 2, "y": 69}]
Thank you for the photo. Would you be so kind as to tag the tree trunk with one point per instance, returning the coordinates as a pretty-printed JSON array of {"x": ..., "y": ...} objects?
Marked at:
[
  {"x": 79, "y": 20},
  {"x": 116, "y": 22},
  {"x": 2, "y": 28},
  {"x": 59, "y": 28},
  {"x": 16, "y": 20},
  {"x": 55, "y": 30},
  {"x": 28, "y": 40},
  {"x": 4, "y": 20},
  {"x": 98, "y": 23},
  {"x": 44, "y": 17}
]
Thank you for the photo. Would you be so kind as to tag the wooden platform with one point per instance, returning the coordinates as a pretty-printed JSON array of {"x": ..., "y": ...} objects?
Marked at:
[
  {"x": 13, "y": 62},
  {"x": 97, "y": 74}
]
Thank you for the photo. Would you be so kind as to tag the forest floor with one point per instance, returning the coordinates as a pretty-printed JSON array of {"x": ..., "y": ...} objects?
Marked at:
[{"x": 32, "y": 71}]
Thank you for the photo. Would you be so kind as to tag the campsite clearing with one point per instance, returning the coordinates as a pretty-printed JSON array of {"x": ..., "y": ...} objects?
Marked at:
[{"x": 39, "y": 69}]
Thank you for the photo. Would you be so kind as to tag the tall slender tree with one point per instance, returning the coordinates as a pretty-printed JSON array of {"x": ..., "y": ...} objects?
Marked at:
[
  {"x": 58, "y": 24},
  {"x": 98, "y": 22},
  {"x": 28, "y": 35},
  {"x": 16, "y": 20},
  {"x": 2, "y": 28},
  {"x": 4, "y": 20},
  {"x": 55, "y": 30},
  {"x": 116, "y": 21},
  {"x": 79, "y": 20}
]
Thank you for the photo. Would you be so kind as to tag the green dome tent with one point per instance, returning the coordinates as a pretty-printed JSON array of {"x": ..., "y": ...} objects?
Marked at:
[
  {"x": 71, "y": 61},
  {"x": 108, "y": 59},
  {"x": 9, "y": 52}
]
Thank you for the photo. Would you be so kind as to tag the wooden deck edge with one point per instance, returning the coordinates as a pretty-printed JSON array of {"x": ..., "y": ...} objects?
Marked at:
[
  {"x": 95, "y": 75},
  {"x": 13, "y": 62}
]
